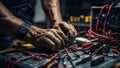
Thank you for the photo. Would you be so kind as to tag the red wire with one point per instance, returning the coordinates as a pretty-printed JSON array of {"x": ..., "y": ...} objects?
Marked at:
[
  {"x": 95, "y": 52},
  {"x": 102, "y": 36},
  {"x": 58, "y": 65},
  {"x": 91, "y": 34},
  {"x": 106, "y": 5},
  {"x": 115, "y": 33},
  {"x": 98, "y": 35},
  {"x": 105, "y": 36},
  {"x": 12, "y": 65},
  {"x": 100, "y": 13},
  {"x": 52, "y": 58},
  {"x": 105, "y": 22},
  {"x": 88, "y": 48},
  {"x": 104, "y": 26},
  {"x": 68, "y": 53},
  {"x": 45, "y": 55}
]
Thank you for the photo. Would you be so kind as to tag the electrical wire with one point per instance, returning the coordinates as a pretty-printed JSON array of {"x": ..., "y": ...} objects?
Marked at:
[
  {"x": 68, "y": 53},
  {"x": 69, "y": 57},
  {"x": 49, "y": 60},
  {"x": 25, "y": 58},
  {"x": 108, "y": 13},
  {"x": 102, "y": 36},
  {"x": 100, "y": 13},
  {"x": 11, "y": 65},
  {"x": 105, "y": 35},
  {"x": 98, "y": 35},
  {"x": 114, "y": 33}
]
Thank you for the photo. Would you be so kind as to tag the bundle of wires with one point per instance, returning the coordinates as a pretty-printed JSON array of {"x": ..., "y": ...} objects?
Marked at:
[{"x": 106, "y": 35}]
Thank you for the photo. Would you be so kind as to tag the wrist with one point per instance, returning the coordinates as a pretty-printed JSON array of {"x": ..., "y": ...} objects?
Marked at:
[
  {"x": 57, "y": 22},
  {"x": 23, "y": 30},
  {"x": 32, "y": 32}
]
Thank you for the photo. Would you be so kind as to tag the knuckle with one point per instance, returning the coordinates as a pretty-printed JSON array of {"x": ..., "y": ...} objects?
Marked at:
[
  {"x": 52, "y": 47},
  {"x": 53, "y": 30},
  {"x": 53, "y": 44},
  {"x": 59, "y": 42}
]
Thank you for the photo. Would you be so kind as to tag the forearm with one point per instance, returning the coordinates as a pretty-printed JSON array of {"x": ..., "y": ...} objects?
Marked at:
[
  {"x": 9, "y": 24},
  {"x": 52, "y": 9}
]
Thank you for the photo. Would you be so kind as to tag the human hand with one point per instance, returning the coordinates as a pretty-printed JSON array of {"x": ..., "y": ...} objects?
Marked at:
[
  {"x": 46, "y": 38},
  {"x": 66, "y": 28}
]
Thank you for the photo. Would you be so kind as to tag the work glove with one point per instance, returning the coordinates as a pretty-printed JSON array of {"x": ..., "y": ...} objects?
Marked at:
[
  {"x": 51, "y": 39},
  {"x": 67, "y": 29}
]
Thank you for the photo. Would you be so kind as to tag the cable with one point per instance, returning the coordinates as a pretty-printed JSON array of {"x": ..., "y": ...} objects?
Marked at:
[
  {"x": 98, "y": 35},
  {"x": 25, "y": 58},
  {"x": 49, "y": 60},
  {"x": 108, "y": 13},
  {"x": 69, "y": 57},
  {"x": 104, "y": 24},
  {"x": 11, "y": 65},
  {"x": 115, "y": 33},
  {"x": 68, "y": 53},
  {"x": 100, "y": 13},
  {"x": 111, "y": 39}
]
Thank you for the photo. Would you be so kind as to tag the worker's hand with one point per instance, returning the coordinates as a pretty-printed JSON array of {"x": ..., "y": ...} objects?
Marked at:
[
  {"x": 66, "y": 28},
  {"x": 52, "y": 39}
]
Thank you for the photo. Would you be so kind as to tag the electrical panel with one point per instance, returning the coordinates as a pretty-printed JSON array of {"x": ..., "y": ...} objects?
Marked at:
[{"x": 112, "y": 20}]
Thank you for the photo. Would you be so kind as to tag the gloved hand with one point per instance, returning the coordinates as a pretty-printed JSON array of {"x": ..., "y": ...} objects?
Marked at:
[
  {"x": 52, "y": 39},
  {"x": 66, "y": 28}
]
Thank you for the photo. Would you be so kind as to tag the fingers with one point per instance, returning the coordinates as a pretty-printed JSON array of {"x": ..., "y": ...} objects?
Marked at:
[
  {"x": 64, "y": 27},
  {"x": 61, "y": 37},
  {"x": 52, "y": 38},
  {"x": 57, "y": 27},
  {"x": 68, "y": 28},
  {"x": 73, "y": 32},
  {"x": 49, "y": 44},
  {"x": 55, "y": 39}
]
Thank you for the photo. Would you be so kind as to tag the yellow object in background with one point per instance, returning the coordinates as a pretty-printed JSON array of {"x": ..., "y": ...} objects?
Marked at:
[
  {"x": 87, "y": 19},
  {"x": 82, "y": 16},
  {"x": 71, "y": 19},
  {"x": 75, "y": 19},
  {"x": 78, "y": 19}
]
